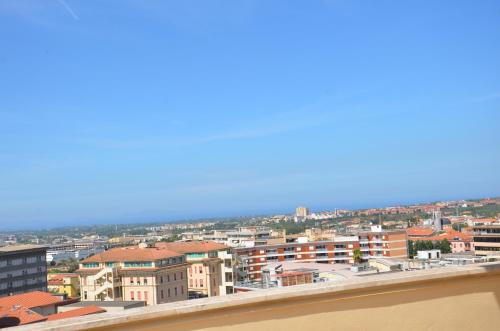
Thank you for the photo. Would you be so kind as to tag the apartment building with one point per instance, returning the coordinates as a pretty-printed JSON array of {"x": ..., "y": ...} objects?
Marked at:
[
  {"x": 210, "y": 271},
  {"x": 23, "y": 268},
  {"x": 383, "y": 244},
  {"x": 240, "y": 237},
  {"x": 136, "y": 273},
  {"x": 486, "y": 239},
  {"x": 373, "y": 244}
]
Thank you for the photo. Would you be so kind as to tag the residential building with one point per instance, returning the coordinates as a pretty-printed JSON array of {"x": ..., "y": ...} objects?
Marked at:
[
  {"x": 301, "y": 214},
  {"x": 23, "y": 268},
  {"x": 67, "y": 283},
  {"x": 210, "y": 271},
  {"x": 417, "y": 233},
  {"x": 372, "y": 244},
  {"x": 135, "y": 273},
  {"x": 460, "y": 242},
  {"x": 487, "y": 239}
]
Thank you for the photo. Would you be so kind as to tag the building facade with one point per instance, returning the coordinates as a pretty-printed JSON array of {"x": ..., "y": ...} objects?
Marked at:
[
  {"x": 210, "y": 271},
  {"x": 374, "y": 244},
  {"x": 64, "y": 283},
  {"x": 487, "y": 239},
  {"x": 136, "y": 273},
  {"x": 23, "y": 268}
]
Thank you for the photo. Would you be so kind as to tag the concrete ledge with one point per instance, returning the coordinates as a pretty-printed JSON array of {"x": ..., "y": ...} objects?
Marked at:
[{"x": 301, "y": 292}]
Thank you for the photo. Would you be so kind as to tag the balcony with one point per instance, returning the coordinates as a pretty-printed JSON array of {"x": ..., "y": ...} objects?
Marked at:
[{"x": 381, "y": 302}]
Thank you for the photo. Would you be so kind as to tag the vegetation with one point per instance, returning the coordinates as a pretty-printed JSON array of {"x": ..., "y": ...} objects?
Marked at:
[
  {"x": 357, "y": 255},
  {"x": 424, "y": 245}
]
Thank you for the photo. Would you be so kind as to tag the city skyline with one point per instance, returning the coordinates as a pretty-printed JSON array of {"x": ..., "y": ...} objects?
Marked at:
[{"x": 123, "y": 111}]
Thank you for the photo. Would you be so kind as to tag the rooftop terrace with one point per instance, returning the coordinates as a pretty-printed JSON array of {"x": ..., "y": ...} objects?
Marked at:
[{"x": 465, "y": 297}]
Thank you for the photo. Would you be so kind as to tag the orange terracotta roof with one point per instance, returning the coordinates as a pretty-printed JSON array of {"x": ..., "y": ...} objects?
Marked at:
[
  {"x": 76, "y": 312},
  {"x": 30, "y": 300},
  {"x": 132, "y": 254},
  {"x": 56, "y": 281},
  {"x": 23, "y": 314},
  {"x": 192, "y": 246},
  {"x": 419, "y": 231}
]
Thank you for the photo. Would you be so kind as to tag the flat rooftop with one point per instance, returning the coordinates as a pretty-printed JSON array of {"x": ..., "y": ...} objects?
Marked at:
[
  {"x": 104, "y": 304},
  {"x": 15, "y": 248}
]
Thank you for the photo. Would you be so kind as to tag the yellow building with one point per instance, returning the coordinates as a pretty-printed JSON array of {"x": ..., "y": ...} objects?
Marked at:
[{"x": 67, "y": 283}]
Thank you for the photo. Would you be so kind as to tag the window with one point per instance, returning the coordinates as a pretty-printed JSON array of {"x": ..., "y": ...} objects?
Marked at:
[
  {"x": 168, "y": 293},
  {"x": 145, "y": 281},
  {"x": 175, "y": 276},
  {"x": 161, "y": 294},
  {"x": 138, "y": 264},
  {"x": 175, "y": 291},
  {"x": 161, "y": 279},
  {"x": 168, "y": 278},
  {"x": 182, "y": 289},
  {"x": 145, "y": 295},
  {"x": 90, "y": 265},
  {"x": 190, "y": 283},
  {"x": 201, "y": 282},
  {"x": 132, "y": 295},
  {"x": 138, "y": 280},
  {"x": 85, "y": 295},
  {"x": 131, "y": 280},
  {"x": 182, "y": 275},
  {"x": 200, "y": 269},
  {"x": 139, "y": 295}
]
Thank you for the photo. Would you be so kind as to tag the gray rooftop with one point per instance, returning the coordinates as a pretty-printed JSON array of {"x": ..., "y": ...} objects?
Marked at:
[
  {"x": 15, "y": 248},
  {"x": 104, "y": 304}
]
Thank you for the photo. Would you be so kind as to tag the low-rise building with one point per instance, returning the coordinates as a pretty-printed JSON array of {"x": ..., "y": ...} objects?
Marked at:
[
  {"x": 210, "y": 270},
  {"x": 67, "y": 283},
  {"x": 137, "y": 273}
]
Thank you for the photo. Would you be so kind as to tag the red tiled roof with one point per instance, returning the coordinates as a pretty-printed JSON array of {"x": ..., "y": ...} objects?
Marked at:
[
  {"x": 76, "y": 312},
  {"x": 192, "y": 246},
  {"x": 132, "y": 254},
  {"x": 23, "y": 314},
  {"x": 450, "y": 235},
  {"x": 30, "y": 300},
  {"x": 419, "y": 231}
]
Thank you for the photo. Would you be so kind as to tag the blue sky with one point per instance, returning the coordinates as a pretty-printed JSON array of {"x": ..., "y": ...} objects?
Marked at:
[{"x": 120, "y": 111}]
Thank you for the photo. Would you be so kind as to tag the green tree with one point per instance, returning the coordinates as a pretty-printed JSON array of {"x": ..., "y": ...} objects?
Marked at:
[
  {"x": 443, "y": 245},
  {"x": 411, "y": 249},
  {"x": 357, "y": 255}
]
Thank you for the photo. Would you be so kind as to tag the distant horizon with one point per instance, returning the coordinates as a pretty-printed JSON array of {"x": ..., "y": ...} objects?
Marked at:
[
  {"x": 132, "y": 110},
  {"x": 212, "y": 218}
]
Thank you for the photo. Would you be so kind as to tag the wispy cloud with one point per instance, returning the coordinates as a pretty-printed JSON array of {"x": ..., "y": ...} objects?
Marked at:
[{"x": 69, "y": 10}]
